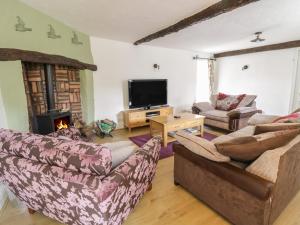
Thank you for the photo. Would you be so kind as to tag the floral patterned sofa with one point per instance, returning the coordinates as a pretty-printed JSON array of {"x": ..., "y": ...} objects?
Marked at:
[{"x": 73, "y": 181}]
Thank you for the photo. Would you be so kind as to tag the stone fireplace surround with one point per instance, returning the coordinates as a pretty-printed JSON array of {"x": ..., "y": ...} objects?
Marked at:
[{"x": 65, "y": 85}]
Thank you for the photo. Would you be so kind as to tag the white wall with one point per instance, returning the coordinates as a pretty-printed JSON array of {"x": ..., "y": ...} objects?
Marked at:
[
  {"x": 118, "y": 61},
  {"x": 270, "y": 76}
]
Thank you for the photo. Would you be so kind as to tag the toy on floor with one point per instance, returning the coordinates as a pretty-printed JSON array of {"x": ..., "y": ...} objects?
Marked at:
[{"x": 105, "y": 127}]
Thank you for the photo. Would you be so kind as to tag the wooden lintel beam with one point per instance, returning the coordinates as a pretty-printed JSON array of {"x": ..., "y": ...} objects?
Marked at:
[
  {"x": 221, "y": 7},
  {"x": 10, "y": 54},
  {"x": 279, "y": 46}
]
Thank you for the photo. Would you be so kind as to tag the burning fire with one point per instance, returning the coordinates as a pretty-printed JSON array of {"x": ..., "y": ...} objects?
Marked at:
[{"x": 62, "y": 125}]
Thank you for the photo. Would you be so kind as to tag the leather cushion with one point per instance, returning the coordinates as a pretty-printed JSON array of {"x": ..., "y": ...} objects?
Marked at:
[{"x": 251, "y": 147}]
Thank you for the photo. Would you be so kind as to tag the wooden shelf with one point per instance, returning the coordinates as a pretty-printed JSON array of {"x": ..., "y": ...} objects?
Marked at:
[{"x": 138, "y": 117}]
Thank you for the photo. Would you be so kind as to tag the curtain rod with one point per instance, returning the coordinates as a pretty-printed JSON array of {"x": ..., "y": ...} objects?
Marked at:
[{"x": 199, "y": 58}]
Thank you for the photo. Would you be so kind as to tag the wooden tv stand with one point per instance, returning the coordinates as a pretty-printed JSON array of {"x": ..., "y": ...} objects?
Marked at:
[{"x": 140, "y": 117}]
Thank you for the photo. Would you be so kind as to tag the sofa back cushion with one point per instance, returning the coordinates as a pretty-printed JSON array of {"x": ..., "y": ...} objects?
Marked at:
[
  {"x": 247, "y": 101},
  {"x": 73, "y": 155},
  {"x": 228, "y": 102},
  {"x": 271, "y": 127},
  {"x": 259, "y": 118},
  {"x": 251, "y": 147},
  {"x": 267, "y": 165},
  {"x": 200, "y": 146}
]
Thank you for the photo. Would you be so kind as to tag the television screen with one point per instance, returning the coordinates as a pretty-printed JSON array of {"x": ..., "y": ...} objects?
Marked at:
[{"x": 147, "y": 93}]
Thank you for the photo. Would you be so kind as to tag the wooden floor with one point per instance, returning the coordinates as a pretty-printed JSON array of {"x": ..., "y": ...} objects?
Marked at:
[{"x": 166, "y": 204}]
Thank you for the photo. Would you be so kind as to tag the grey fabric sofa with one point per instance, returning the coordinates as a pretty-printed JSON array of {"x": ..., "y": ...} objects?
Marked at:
[{"x": 229, "y": 120}]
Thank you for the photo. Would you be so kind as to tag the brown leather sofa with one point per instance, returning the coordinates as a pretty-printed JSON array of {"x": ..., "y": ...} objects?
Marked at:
[
  {"x": 239, "y": 196},
  {"x": 229, "y": 120}
]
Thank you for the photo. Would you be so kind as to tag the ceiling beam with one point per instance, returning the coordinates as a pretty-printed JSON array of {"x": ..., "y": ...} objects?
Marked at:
[
  {"x": 221, "y": 7},
  {"x": 10, "y": 54},
  {"x": 279, "y": 46}
]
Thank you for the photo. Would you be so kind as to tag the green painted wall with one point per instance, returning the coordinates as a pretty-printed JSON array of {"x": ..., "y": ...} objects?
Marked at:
[
  {"x": 14, "y": 99},
  {"x": 11, "y": 81}
]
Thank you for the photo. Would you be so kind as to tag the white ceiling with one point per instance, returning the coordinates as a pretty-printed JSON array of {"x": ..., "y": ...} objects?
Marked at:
[{"x": 130, "y": 20}]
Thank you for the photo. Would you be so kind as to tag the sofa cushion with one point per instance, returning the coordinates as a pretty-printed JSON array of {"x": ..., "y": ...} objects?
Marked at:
[
  {"x": 73, "y": 155},
  {"x": 247, "y": 101},
  {"x": 263, "y": 128},
  {"x": 261, "y": 119},
  {"x": 251, "y": 147},
  {"x": 120, "y": 151},
  {"x": 267, "y": 165},
  {"x": 216, "y": 115},
  {"x": 222, "y": 138},
  {"x": 228, "y": 102},
  {"x": 200, "y": 146},
  {"x": 203, "y": 106},
  {"x": 244, "y": 132}
]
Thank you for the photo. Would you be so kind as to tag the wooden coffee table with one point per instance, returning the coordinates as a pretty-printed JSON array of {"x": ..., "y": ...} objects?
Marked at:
[{"x": 165, "y": 124}]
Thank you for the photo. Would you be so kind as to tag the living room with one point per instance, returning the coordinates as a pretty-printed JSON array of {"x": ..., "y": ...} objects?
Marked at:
[{"x": 98, "y": 100}]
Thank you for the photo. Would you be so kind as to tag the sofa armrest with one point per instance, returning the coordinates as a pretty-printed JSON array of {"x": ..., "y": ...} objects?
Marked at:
[
  {"x": 242, "y": 112},
  {"x": 250, "y": 183},
  {"x": 201, "y": 107}
]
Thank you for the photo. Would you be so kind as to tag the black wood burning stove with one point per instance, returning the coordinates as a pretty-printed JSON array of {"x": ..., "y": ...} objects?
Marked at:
[{"x": 54, "y": 119}]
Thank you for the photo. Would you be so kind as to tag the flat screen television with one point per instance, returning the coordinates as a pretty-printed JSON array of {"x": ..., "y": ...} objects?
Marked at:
[{"x": 147, "y": 93}]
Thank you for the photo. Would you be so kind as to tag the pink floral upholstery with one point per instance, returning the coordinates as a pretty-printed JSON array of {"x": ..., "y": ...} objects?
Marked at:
[
  {"x": 77, "y": 156},
  {"x": 73, "y": 197}
]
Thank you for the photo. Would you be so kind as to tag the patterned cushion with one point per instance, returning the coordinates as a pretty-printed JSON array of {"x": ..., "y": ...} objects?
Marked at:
[
  {"x": 228, "y": 102},
  {"x": 292, "y": 118},
  {"x": 73, "y": 155}
]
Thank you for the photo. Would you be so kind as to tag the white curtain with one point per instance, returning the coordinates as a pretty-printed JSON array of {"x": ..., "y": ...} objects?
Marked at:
[{"x": 211, "y": 77}]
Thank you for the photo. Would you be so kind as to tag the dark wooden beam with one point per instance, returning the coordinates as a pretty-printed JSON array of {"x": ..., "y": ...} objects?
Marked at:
[
  {"x": 221, "y": 7},
  {"x": 9, "y": 54},
  {"x": 290, "y": 44}
]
